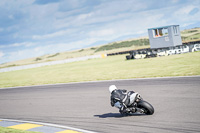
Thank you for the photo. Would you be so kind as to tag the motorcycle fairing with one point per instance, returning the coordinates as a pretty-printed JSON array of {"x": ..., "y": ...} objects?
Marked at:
[{"x": 132, "y": 98}]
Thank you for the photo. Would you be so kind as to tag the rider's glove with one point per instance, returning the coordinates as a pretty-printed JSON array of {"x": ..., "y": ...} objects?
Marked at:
[{"x": 123, "y": 109}]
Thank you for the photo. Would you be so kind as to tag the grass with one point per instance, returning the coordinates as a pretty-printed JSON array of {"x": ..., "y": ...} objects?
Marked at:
[
  {"x": 9, "y": 130},
  {"x": 190, "y": 34},
  {"x": 110, "y": 68}
]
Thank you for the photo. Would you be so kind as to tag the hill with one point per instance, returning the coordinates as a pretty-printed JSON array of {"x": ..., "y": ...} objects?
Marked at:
[{"x": 130, "y": 44}]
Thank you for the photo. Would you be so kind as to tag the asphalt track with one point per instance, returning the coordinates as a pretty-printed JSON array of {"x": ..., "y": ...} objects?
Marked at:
[{"x": 87, "y": 106}]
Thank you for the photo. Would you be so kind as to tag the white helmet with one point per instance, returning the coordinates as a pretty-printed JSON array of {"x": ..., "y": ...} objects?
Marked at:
[{"x": 112, "y": 88}]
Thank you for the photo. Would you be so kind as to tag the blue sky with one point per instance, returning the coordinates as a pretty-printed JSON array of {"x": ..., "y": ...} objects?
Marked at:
[{"x": 31, "y": 28}]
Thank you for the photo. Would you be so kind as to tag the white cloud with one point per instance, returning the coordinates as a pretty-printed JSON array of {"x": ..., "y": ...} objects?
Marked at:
[
  {"x": 1, "y": 29},
  {"x": 42, "y": 50},
  {"x": 101, "y": 33},
  {"x": 1, "y": 54},
  {"x": 23, "y": 44},
  {"x": 184, "y": 10},
  {"x": 64, "y": 25},
  {"x": 85, "y": 16},
  {"x": 183, "y": 17},
  {"x": 187, "y": 24},
  {"x": 175, "y": 1},
  {"x": 55, "y": 34},
  {"x": 11, "y": 17}
]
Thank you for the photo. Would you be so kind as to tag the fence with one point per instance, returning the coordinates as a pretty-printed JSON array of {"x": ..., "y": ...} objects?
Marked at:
[{"x": 51, "y": 63}]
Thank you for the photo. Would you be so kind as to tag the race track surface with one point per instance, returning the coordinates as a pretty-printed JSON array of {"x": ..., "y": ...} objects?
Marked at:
[{"x": 87, "y": 105}]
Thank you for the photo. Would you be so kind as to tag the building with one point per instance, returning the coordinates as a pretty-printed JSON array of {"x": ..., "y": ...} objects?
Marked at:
[{"x": 165, "y": 36}]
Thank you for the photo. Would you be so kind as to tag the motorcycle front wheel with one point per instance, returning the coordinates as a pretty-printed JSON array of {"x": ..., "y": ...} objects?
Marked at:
[{"x": 147, "y": 107}]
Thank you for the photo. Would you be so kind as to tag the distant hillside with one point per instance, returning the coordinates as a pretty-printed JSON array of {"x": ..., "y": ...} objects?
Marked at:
[
  {"x": 125, "y": 45},
  {"x": 190, "y": 34}
]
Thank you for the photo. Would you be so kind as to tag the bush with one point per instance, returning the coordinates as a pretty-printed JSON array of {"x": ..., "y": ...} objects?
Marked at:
[
  {"x": 139, "y": 42},
  {"x": 53, "y": 55},
  {"x": 37, "y": 59}
]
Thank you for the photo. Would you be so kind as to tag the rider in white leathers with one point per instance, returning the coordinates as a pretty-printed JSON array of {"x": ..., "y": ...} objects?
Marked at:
[{"x": 122, "y": 99}]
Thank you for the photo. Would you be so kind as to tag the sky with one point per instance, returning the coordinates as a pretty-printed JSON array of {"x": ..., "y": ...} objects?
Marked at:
[{"x": 32, "y": 28}]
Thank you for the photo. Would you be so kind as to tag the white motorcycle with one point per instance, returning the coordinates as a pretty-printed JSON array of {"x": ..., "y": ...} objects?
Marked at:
[{"x": 134, "y": 103}]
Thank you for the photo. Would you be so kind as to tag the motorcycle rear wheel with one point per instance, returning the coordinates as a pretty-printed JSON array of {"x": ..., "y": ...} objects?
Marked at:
[{"x": 147, "y": 107}]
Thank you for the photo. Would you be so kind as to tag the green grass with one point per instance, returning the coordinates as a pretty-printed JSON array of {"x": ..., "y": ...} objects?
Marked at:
[
  {"x": 110, "y": 68},
  {"x": 190, "y": 34},
  {"x": 9, "y": 130}
]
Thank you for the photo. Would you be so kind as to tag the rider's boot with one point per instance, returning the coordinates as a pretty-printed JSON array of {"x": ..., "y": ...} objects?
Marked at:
[{"x": 132, "y": 110}]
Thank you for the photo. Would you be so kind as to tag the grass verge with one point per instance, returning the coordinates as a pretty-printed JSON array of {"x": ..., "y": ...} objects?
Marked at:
[
  {"x": 110, "y": 68},
  {"x": 9, "y": 130}
]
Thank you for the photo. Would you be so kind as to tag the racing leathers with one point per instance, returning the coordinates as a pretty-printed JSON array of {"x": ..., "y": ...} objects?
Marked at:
[{"x": 121, "y": 100}]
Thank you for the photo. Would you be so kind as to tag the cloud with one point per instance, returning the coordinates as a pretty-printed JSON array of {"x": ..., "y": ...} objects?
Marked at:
[
  {"x": 23, "y": 44},
  {"x": 101, "y": 33},
  {"x": 1, "y": 54},
  {"x": 41, "y": 50},
  {"x": 60, "y": 25},
  {"x": 194, "y": 11},
  {"x": 184, "y": 10},
  {"x": 55, "y": 34},
  {"x": 43, "y": 2},
  {"x": 187, "y": 14},
  {"x": 175, "y": 1}
]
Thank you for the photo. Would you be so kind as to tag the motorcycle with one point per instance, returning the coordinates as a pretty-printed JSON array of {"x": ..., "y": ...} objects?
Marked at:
[{"x": 136, "y": 104}]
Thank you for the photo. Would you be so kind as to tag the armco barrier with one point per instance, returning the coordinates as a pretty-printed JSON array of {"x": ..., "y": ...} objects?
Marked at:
[{"x": 51, "y": 63}]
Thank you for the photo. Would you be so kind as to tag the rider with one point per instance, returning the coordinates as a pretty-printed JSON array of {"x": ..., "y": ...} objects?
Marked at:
[{"x": 121, "y": 99}]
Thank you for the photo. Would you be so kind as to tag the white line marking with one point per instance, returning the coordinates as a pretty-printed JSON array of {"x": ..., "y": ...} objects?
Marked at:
[{"x": 50, "y": 125}]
